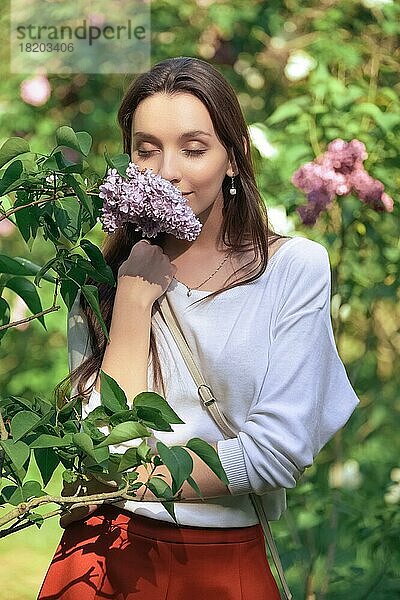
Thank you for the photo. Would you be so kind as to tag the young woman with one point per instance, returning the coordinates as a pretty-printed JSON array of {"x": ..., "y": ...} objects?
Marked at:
[{"x": 255, "y": 309}]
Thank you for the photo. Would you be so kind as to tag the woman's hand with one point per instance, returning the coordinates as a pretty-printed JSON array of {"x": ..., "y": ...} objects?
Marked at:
[
  {"x": 94, "y": 486},
  {"x": 146, "y": 273},
  {"x": 88, "y": 488}
]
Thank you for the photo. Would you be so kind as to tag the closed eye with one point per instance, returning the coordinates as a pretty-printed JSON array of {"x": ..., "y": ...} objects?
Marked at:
[{"x": 191, "y": 153}]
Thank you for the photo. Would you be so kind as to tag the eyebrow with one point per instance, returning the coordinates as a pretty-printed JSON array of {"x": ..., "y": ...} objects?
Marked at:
[{"x": 141, "y": 135}]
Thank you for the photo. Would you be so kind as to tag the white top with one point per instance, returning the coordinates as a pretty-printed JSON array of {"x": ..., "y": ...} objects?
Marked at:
[{"x": 268, "y": 353}]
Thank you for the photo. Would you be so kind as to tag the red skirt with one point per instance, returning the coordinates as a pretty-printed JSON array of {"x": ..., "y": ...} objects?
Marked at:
[{"x": 116, "y": 554}]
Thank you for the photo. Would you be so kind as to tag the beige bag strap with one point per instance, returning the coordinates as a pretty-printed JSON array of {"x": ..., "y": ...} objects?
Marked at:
[{"x": 210, "y": 402}]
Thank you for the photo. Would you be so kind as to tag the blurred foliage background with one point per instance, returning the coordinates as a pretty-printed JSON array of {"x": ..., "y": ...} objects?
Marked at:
[{"x": 305, "y": 73}]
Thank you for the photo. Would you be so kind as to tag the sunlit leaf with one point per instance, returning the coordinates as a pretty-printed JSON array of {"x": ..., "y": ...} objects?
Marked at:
[
  {"x": 23, "y": 422},
  {"x": 125, "y": 432},
  {"x": 18, "y": 452},
  {"x": 179, "y": 463},
  {"x": 27, "y": 291},
  {"x": 154, "y": 400},
  {"x": 11, "y": 148},
  {"x": 209, "y": 455}
]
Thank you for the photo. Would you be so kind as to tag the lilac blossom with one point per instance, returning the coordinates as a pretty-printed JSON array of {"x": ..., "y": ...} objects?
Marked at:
[
  {"x": 338, "y": 172},
  {"x": 149, "y": 201},
  {"x": 36, "y": 90}
]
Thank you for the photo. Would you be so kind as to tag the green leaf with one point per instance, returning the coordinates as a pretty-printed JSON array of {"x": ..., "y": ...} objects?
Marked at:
[
  {"x": 288, "y": 110},
  {"x": 69, "y": 476},
  {"x": 33, "y": 269},
  {"x": 25, "y": 402},
  {"x": 92, "y": 431},
  {"x": 5, "y": 315},
  {"x": 385, "y": 120},
  {"x": 51, "y": 441},
  {"x": 80, "y": 192},
  {"x": 112, "y": 395},
  {"x": 17, "y": 452},
  {"x": 123, "y": 416},
  {"x": 67, "y": 166},
  {"x": 209, "y": 455},
  {"x": 27, "y": 291},
  {"x": 11, "y": 177},
  {"x": 157, "y": 461},
  {"x": 160, "y": 488},
  {"x": 196, "y": 488},
  {"x": 23, "y": 422},
  {"x": 11, "y": 148},
  {"x": 179, "y": 463},
  {"x": 153, "y": 418},
  {"x": 67, "y": 212},
  {"x": 50, "y": 228},
  {"x": 91, "y": 294},
  {"x": 101, "y": 454},
  {"x": 27, "y": 219},
  {"x": 84, "y": 141},
  {"x": 97, "y": 261},
  {"x": 32, "y": 489},
  {"x": 132, "y": 476},
  {"x": 47, "y": 461},
  {"x": 129, "y": 460},
  {"x": 119, "y": 162},
  {"x": 47, "y": 411},
  {"x": 144, "y": 451},
  {"x": 35, "y": 518},
  {"x": 66, "y": 136},
  {"x": 169, "y": 507},
  {"x": 84, "y": 442},
  {"x": 93, "y": 252},
  {"x": 67, "y": 408},
  {"x": 154, "y": 400},
  {"x": 102, "y": 276},
  {"x": 125, "y": 432},
  {"x": 49, "y": 164},
  {"x": 11, "y": 266},
  {"x": 70, "y": 427},
  {"x": 97, "y": 416},
  {"x": 12, "y": 494}
]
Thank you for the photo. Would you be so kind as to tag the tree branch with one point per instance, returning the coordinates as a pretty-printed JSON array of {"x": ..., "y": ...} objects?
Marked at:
[{"x": 25, "y": 507}]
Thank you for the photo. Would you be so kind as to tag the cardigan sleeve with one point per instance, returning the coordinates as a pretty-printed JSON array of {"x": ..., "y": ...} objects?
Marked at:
[
  {"x": 306, "y": 396},
  {"x": 79, "y": 348}
]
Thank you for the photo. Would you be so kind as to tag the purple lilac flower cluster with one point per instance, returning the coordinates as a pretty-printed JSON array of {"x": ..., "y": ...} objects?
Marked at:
[
  {"x": 149, "y": 201},
  {"x": 338, "y": 171}
]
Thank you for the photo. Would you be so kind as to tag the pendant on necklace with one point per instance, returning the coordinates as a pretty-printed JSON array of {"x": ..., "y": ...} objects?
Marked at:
[{"x": 189, "y": 292}]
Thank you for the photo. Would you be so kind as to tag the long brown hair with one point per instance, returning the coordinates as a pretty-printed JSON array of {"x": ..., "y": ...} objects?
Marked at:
[{"x": 245, "y": 220}]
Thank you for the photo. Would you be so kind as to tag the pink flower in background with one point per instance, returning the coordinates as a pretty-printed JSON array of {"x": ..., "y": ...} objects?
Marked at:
[
  {"x": 36, "y": 91},
  {"x": 344, "y": 157},
  {"x": 97, "y": 19},
  {"x": 338, "y": 172},
  {"x": 6, "y": 227},
  {"x": 149, "y": 201}
]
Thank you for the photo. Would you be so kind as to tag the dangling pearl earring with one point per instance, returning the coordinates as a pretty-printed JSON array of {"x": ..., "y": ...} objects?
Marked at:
[{"x": 232, "y": 190}]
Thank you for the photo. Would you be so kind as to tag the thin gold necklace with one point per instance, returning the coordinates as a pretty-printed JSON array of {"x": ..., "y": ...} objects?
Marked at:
[{"x": 189, "y": 290}]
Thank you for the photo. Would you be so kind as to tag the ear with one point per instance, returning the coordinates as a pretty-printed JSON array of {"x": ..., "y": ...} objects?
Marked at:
[{"x": 233, "y": 170}]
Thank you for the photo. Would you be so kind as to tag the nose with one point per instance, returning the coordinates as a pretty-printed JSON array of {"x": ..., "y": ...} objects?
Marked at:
[{"x": 169, "y": 169}]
